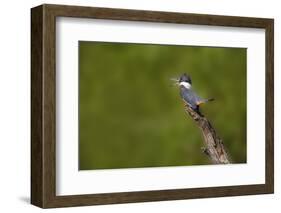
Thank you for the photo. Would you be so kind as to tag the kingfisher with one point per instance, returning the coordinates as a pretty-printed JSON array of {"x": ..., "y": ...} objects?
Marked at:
[{"x": 188, "y": 95}]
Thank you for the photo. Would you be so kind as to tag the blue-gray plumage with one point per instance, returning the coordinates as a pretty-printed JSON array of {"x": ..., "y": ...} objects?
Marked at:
[{"x": 188, "y": 95}]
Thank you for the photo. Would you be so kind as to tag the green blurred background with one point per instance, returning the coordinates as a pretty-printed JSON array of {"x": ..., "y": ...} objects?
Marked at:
[{"x": 130, "y": 116}]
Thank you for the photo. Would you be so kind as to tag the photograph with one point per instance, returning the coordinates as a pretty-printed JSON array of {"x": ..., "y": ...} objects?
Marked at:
[
  {"x": 161, "y": 105},
  {"x": 139, "y": 105}
]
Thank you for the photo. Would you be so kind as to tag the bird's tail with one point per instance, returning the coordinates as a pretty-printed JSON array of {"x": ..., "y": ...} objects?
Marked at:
[
  {"x": 209, "y": 99},
  {"x": 205, "y": 101}
]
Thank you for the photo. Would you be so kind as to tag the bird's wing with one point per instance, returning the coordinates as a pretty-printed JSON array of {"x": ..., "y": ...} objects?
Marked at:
[{"x": 190, "y": 97}]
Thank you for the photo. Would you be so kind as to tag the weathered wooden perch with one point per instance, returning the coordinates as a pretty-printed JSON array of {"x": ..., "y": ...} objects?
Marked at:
[{"x": 214, "y": 146}]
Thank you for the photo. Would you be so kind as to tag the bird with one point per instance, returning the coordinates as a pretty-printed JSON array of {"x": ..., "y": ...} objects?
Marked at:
[{"x": 189, "y": 97}]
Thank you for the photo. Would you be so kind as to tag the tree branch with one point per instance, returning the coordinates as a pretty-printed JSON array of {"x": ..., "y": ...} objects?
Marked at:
[{"x": 214, "y": 146}]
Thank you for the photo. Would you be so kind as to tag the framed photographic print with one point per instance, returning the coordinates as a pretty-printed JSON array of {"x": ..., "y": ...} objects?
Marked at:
[{"x": 135, "y": 106}]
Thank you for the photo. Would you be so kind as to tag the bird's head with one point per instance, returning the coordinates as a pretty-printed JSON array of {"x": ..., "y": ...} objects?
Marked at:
[{"x": 183, "y": 80}]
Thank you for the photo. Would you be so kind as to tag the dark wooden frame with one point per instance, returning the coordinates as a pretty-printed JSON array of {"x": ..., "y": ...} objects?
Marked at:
[{"x": 43, "y": 106}]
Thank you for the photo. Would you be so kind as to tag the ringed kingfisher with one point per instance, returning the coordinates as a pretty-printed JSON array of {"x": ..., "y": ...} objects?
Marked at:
[{"x": 188, "y": 95}]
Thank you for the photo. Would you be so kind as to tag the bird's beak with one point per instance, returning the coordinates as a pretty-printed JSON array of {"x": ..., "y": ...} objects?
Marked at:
[{"x": 175, "y": 80}]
